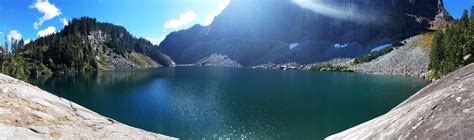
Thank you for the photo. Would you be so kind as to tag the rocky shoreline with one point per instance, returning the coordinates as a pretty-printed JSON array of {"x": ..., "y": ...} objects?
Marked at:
[
  {"x": 27, "y": 112},
  {"x": 287, "y": 66},
  {"x": 410, "y": 59},
  {"x": 296, "y": 66}
]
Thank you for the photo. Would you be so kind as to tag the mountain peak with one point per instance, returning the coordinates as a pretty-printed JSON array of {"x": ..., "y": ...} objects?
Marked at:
[{"x": 288, "y": 21}]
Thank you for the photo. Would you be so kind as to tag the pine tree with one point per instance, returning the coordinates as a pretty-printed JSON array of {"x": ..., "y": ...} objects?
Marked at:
[
  {"x": 21, "y": 44},
  {"x": 436, "y": 54},
  {"x": 471, "y": 21},
  {"x": 3, "y": 52},
  {"x": 6, "y": 44},
  {"x": 472, "y": 14},
  {"x": 464, "y": 21},
  {"x": 14, "y": 45}
]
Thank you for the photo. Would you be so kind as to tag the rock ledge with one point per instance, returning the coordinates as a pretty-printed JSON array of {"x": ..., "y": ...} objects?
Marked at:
[{"x": 442, "y": 110}]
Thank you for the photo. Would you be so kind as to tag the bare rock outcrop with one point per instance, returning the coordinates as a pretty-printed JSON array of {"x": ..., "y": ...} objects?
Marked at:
[
  {"x": 27, "y": 112},
  {"x": 442, "y": 110},
  {"x": 218, "y": 60}
]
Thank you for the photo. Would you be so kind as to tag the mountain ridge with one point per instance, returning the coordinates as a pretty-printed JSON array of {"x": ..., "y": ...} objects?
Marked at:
[
  {"x": 286, "y": 22},
  {"x": 83, "y": 45}
]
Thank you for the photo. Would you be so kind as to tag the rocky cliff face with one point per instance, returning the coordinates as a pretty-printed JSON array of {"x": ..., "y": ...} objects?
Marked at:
[
  {"x": 27, "y": 112},
  {"x": 109, "y": 60},
  {"x": 442, "y": 110},
  {"x": 217, "y": 60},
  {"x": 358, "y": 25}
]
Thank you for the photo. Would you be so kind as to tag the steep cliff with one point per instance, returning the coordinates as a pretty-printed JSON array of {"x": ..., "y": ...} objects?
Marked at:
[{"x": 347, "y": 28}]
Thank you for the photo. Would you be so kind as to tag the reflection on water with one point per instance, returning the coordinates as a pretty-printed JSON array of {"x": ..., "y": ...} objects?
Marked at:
[
  {"x": 98, "y": 80},
  {"x": 207, "y": 102}
]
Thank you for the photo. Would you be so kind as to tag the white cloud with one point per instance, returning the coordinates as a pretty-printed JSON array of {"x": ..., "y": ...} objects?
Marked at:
[
  {"x": 184, "y": 19},
  {"x": 49, "y": 10},
  {"x": 13, "y": 35},
  {"x": 27, "y": 41},
  {"x": 156, "y": 41},
  {"x": 209, "y": 19},
  {"x": 64, "y": 21},
  {"x": 48, "y": 31}
]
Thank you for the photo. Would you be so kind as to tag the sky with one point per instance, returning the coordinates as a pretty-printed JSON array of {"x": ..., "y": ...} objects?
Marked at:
[
  {"x": 456, "y": 7},
  {"x": 150, "y": 19}
]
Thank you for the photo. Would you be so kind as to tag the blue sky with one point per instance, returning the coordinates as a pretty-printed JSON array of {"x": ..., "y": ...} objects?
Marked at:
[
  {"x": 456, "y": 7},
  {"x": 151, "y": 19},
  {"x": 143, "y": 18}
]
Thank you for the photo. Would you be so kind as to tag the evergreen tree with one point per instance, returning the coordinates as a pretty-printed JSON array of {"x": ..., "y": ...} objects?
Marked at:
[
  {"x": 453, "y": 48},
  {"x": 6, "y": 46},
  {"x": 464, "y": 21},
  {"x": 2, "y": 55},
  {"x": 471, "y": 21},
  {"x": 436, "y": 54},
  {"x": 14, "y": 45},
  {"x": 21, "y": 44}
]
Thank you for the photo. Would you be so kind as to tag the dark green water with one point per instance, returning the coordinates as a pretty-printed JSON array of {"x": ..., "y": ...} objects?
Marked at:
[{"x": 208, "y": 102}]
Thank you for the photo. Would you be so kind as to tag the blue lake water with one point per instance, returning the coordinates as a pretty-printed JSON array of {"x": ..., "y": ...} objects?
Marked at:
[{"x": 210, "y": 102}]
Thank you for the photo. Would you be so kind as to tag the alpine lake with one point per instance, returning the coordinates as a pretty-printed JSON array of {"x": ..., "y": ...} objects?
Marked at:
[{"x": 214, "y": 102}]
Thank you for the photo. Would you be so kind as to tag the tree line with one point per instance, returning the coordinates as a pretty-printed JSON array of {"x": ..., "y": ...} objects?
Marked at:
[
  {"x": 453, "y": 47},
  {"x": 79, "y": 47}
]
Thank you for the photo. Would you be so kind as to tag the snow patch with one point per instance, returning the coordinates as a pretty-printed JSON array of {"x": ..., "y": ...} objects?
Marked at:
[
  {"x": 293, "y": 45},
  {"x": 376, "y": 49},
  {"x": 340, "y": 45}
]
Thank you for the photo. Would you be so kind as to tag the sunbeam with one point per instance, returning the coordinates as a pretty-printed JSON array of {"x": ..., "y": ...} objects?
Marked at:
[{"x": 340, "y": 12}]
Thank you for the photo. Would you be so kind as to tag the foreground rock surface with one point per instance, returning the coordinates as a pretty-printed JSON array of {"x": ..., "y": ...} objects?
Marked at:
[
  {"x": 28, "y": 112},
  {"x": 442, "y": 110}
]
